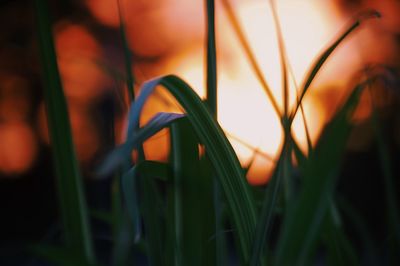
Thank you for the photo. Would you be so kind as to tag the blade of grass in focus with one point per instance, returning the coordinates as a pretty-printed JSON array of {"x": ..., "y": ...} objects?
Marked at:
[
  {"x": 70, "y": 188},
  {"x": 187, "y": 196},
  {"x": 305, "y": 216},
  {"x": 325, "y": 55},
  {"x": 228, "y": 169},
  {"x": 212, "y": 96}
]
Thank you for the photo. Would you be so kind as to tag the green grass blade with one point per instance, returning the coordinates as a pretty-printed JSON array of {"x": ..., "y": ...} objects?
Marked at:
[
  {"x": 212, "y": 97},
  {"x": 319, "y": 62},
  {"x": 70, "y": 188},
  {"x": 188, "y": 194},
  {"x": 229, "y": 172},
  {"x": 360, "y": 227},
  {"x": 211, "y": 58},
  {"x": 266, "y": 216},
  {"x": 339, "y": 248},
  {"x": 130, "y": 81},
  {"x": 392, "y": 211},
  {"x": 123, "y": 152},
  {"x": 140, "y": 179},
  {"x": 250, "y": 56},
  {"x": 305, "y": 216},
  {"x": 283, "y": 58}
]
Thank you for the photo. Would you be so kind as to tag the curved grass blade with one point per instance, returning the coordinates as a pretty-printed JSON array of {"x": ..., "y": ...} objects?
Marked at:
[
  {"x": 250, "y": 56},
  {"x": 70, "y": 188},
  {"x": 118, "y": 156},
  {"x": 305, "y": 217},
  {"x": 283, "y": 58},
  {"x": 325, "y": 55},
  {"x": 229, "y": 172}
]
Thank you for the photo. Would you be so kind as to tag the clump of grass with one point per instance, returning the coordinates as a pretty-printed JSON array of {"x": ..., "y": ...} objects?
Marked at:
[{"x": 178, "y": 210}]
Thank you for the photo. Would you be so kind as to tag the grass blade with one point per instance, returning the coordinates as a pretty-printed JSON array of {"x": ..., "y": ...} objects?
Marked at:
[
  {"x": 187, "y": 192},
  {"x": 70, "y": 188},
  {"x": 250, "y": 56},
  {"x": 130, "y": 81},
  {"x": 212, "y": 97},
  {"x": 266, "y": 216},
  {"x": 385, "y": 160},
  {"x": 305, "y": 216},
  {"x": 229, "y": 172},
  {"x": 211, "y": 58},
  {"x": 119, "y": 155},
  {"x": 325, "y": 55}
]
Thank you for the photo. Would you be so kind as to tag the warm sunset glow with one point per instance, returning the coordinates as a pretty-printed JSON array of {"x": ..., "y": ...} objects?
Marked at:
[
  {"x": 18, "y": 148},
  {"x": 78, "y": 56},
  {"x": 244, "y": 110},
  {"x": 85, "y": 136}
]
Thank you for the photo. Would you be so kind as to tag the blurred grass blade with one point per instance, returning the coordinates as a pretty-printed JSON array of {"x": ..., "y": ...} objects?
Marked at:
[
  {"x": 152, "y": 211},
  {"x": 130, "y": 189},
  {"x": 339, "y": 248},
  {"x": 119, "y": 155},
  {"x": 360, "y": 227},
  {"x": 127, "y": 54},
  {"x": 325, "y": 55},
  {"x": 266, "y": 216},
  {"x": 305, "y": 216},
  {"x": 70, "y": 188},
  {"x": 228, "y": 169},
  {"x": 283, "y": 58},
  {"x": 392, "y": 211},
  {"x": 249, "y": 53}
]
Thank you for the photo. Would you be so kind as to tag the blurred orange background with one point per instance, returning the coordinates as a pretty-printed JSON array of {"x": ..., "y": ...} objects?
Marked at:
[{"x": 169, "y": 37}]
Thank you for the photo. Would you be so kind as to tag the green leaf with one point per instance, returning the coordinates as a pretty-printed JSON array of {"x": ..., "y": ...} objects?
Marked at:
[
  {"x": 146, "y": 169},
  {"x": 185, "y": 216},
  {"x": 135, "y": 138},
  {"x": 267, "y": 214},
  {"x": 392, "y": 212},
  {"x": 305, "y": 216},
  {"x": 319, "y": 62},
  {"x": 127, "y": 55},
  {"x": 339, "y": 248},
  {"x": 230, "y": 175},
  {"x": 70, "y": 188}
]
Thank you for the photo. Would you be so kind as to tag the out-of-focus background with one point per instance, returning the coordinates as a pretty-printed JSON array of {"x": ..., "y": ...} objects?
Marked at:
[{"x": 168, "y": 37}]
